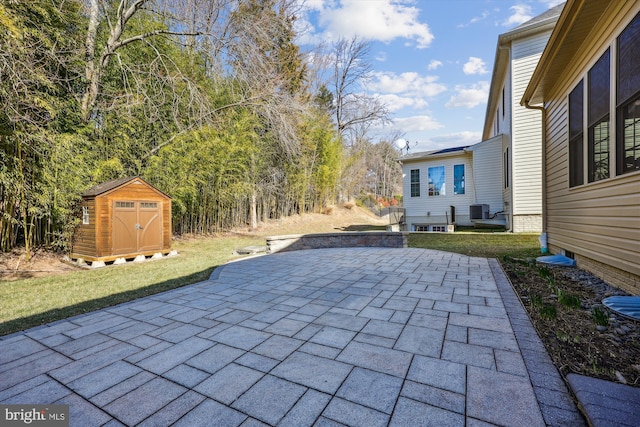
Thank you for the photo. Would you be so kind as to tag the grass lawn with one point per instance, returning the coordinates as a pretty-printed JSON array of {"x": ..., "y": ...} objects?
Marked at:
[
  {"x": 488, "y": 245},
  {"x": 31, "y": 302}
]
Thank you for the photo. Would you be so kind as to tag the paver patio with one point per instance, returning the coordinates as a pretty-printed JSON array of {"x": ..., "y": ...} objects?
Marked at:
[{"x": 353, "y": 336}]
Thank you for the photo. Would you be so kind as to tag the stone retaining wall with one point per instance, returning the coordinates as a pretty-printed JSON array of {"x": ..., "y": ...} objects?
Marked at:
[{"x": 296, "y": 242}]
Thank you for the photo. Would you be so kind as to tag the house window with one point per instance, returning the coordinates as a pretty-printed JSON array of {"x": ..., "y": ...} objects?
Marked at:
[
  {"x": 127, "y": 205},
  {"x": 458, "y": 179},
  {"x": 415, "y": 182},
  {"x": 576, "y": 150},
  {"x": 503, "y": 103},
  {"x": 436, "y": 181},
  {"x": 628, "y": 99},
  {"x": 599, "y": 95},
  {"x": 85, "y": 214},
  {"x": 439, "y": 228},
  {"x": 149, "y": 205},
  {"x": 505, "y": 167}
]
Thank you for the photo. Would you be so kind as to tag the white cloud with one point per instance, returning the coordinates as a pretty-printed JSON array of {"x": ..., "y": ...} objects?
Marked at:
[
  {"x": 469, "y": 96},
  {"x": 416, "y": 123},
  {"x": 457, "y": 139},
  {"x": 395, "y": 102},
  {"x": 475, "y": 19},
  {"x": 552, "y": 3},
  {"x": 520, "y": 13},
  {"x": 314, "y": 4},
  {"x": 475, "y": 66},
  {"x": 382, "y": 20},
  {"x": 434, "y": 65},
  {"x": 406, "y": 83},
  {"x": 381, "y": 56}
]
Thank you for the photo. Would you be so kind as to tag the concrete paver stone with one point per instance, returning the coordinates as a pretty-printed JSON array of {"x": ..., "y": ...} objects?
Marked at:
[{"x": 327, "y": 337}]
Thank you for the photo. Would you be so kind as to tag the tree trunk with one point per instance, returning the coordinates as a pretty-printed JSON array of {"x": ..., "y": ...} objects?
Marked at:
[
  {"x": 94, "y": 69},
  {"x": 254, "y": 209},
  {"x": 91, "y": 91}
]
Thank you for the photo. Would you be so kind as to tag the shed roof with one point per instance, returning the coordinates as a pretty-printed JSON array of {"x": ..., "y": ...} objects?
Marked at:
[{"x": 107, "y": 186}]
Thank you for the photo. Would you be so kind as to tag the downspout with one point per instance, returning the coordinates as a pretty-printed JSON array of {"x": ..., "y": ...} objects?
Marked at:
[{"x": 544, "y": 160}]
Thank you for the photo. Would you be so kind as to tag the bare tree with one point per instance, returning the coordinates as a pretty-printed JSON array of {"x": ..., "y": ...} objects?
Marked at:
[
  {"x": 355, "y": 109},
  {"x": 117, "y": 16},
  {"x": 237, "y": 41}
]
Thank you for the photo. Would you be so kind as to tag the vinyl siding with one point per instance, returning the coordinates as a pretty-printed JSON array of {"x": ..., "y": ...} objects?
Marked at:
[
  {"x": 599, "y": 220},
  {"x": 503, "y": 119},
  {"x": 487, "y": 160},
  {"x": 526, "y": 136}
]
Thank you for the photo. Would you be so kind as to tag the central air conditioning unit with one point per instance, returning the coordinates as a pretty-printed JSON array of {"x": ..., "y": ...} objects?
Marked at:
[{"x": 478, "y": 212}]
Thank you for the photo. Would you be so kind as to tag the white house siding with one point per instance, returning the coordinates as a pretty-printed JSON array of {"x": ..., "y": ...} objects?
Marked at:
[
  {"x": 598, "y": 222},
  {"x": 487, "y": 161},
  {"x": 526, "y": 138},
  {"x": 501, "y": 118},
  {"x": 522, "y": 180},
  {"x": 503, "y": 114},
  {"x": 425, "y": 210}
]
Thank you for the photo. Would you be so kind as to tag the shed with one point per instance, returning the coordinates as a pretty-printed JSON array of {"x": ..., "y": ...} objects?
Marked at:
[{"x": 123, "y": 218}]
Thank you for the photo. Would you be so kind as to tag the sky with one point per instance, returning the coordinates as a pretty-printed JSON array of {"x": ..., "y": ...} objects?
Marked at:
[{"x": 431, "y": 60}]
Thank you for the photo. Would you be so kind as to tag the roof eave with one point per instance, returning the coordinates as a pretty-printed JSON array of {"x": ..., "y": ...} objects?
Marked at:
[
  {"x": 433, "y": 156},
  {"x": 533, "y": 94},
  {"x": 543, "y": 79},
  {"x": 499, "y": 69},
  {"x": 501, "y": 63},
  {"x": 118, "y": 184}
]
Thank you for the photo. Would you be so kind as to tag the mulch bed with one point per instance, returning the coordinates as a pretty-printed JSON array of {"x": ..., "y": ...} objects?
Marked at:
[{"x": 580, "y": 334}]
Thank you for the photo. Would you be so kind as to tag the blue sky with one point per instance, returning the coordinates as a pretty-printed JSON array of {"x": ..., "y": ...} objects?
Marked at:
[{"x": 432, "y": 59}]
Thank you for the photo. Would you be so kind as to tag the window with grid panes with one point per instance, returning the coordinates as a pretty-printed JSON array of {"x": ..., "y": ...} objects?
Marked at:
[
  {"x": 415, "y": 182},
  {"x": 628, "y": 99},
  {"x": 599, "y": 94},
  {"x": 576, "y": 149}
]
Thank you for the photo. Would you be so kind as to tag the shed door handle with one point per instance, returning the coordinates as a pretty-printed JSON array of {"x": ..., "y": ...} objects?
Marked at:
[{"x": 139, "y": 227}]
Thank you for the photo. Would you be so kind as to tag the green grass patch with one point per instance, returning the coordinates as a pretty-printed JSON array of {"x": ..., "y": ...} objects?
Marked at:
[
  {"x": 31, "y": 302},
  {"x": 568, "y": 300},
  {"x": 489, "y": 245}
]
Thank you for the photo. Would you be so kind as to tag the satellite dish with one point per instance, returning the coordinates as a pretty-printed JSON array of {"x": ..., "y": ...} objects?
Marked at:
[
  {"x": 401, "y": 144},
  {"x": 405, "y": 145}
]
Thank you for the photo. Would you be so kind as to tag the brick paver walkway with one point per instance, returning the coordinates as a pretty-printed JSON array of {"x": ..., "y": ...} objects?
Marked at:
[{"x": 355, "y": 336}]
